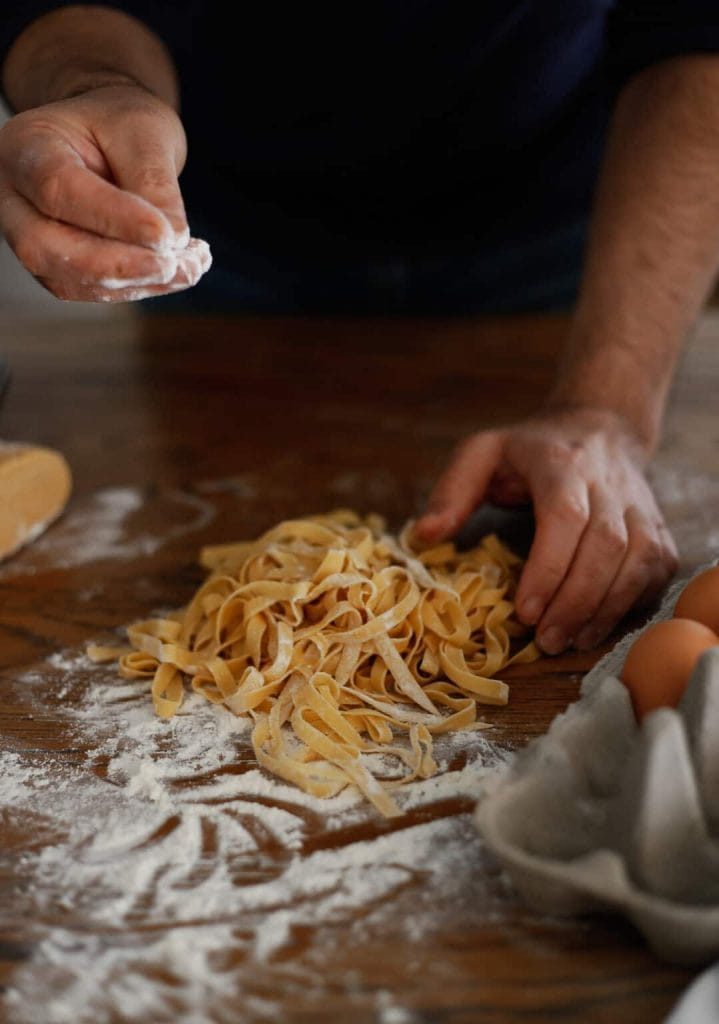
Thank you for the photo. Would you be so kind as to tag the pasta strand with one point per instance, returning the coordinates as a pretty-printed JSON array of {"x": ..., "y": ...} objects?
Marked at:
[{"x": 336, "y": 639}]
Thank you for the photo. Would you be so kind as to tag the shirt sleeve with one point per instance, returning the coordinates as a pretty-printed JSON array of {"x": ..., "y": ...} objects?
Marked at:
[
  {"x": 645, "y": 32},
  {"x": 162, "y": 17}
]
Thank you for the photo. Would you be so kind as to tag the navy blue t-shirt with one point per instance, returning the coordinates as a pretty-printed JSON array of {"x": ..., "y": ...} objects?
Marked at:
[{"x": 396, "y": 126}]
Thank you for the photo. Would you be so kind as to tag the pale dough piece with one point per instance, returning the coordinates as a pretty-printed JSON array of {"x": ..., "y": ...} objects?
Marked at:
[{"x": 35, "y": 485}]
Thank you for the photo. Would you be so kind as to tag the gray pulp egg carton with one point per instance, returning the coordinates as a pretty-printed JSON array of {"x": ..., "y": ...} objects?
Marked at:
[{"x": 601, "y": 814}]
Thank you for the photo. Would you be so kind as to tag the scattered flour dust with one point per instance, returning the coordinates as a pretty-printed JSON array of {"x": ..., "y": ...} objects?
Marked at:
[
  {"x": 688, "y": 499},
  {"x": 101, "y": 527},
  {"x": 171, "y": 877}
]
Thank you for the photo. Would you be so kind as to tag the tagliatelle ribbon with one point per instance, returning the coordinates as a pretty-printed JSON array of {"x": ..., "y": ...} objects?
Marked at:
[{"x": 336, "y": 639}]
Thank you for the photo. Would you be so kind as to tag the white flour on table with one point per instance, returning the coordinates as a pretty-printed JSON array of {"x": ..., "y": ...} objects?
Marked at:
[
  {"x": 100, "y": 527},
  {"x": 687, "y": 499},
  {"x": 166, "y": 883}
]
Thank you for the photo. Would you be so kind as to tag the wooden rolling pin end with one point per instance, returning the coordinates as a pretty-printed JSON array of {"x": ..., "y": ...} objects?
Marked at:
[{"x": 35, "y": 485}]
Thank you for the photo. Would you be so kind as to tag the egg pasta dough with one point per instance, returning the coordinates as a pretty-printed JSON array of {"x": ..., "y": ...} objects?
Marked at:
[{"x": 339, "y": 641}]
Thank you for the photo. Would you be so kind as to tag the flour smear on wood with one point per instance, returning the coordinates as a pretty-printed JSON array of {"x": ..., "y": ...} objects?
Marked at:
[{"x": 168, "y": 876}]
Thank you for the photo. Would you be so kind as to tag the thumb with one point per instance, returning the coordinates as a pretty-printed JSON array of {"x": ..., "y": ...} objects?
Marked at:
[
  {"x": 461, "y": 487},
  {"x": 146, "y": 160}
]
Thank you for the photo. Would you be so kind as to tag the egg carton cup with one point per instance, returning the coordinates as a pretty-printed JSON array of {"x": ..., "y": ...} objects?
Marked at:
[{"x": 602, "y": 814}]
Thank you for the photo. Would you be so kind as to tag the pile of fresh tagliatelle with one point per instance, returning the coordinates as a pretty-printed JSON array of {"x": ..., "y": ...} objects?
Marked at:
[{"x": 339, "y": 641}]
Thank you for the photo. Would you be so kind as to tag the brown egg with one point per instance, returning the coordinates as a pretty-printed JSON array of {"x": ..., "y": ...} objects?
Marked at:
[
  {"x": 700, "y": 599},
  {"x": 661, "y": 660}
]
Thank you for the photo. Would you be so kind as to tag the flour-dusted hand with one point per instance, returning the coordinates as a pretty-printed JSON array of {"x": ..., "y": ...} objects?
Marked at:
[
  {"x": 89, "y": 195},
  {"x": 601, "y": 544}
]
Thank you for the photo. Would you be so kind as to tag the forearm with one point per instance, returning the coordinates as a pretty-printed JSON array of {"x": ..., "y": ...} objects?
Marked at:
[
  {"x": 653, "y": 248},
  {"x": 75, "y": 49}
]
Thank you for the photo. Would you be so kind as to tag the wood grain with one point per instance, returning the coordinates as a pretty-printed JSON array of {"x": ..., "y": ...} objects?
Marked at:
[{"x": 269, "y": 418}]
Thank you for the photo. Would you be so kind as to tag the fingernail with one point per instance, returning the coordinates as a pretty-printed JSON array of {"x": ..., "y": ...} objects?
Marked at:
[
  {"x": 552, "y": 640},
  {"x": 531, "y": 609}
]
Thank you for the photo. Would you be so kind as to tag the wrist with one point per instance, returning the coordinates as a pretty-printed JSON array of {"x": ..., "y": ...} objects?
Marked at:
[
  {"x": 602, "y": 413},
  {"x": 620, "y": 368},
  {"x": 78, "y": 81},
  {"x": 74, "y": 50}
]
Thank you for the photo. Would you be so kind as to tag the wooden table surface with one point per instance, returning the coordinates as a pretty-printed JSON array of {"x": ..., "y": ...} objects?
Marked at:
[{"x": 259, "y": 420}]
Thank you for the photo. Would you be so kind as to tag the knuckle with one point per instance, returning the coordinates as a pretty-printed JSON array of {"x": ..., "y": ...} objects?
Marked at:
[
  {"x": 556, "y": 450},
  {"x": 167, "y": 117},
  {"x": 650, "y": 550},
  {"x": 144, "y": 107},
  {"x": 552, "y": 573},
  {"x": 610, "y": 536},
  {"x": 560, "y": 453},
  {"x": 570, "y": 509},
  {"x": 49, "y": 190}
]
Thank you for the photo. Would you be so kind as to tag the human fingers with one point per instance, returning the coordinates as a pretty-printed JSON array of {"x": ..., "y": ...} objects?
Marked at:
[
  {"x": 648, "y": 565},
  {"x": 461, "y": 487},
  {"x": 72, "y": 262},
  {"x": 596, "y": 562},
  {"x": 192, "y": 263},
  {"x": 507, "y": 488},
  {"x": 670, "y": 554},
  {"x": 670, "y": 558},
  {"x": 146, "y": 160},
  {"x": 55, "y": 180},
  {"x": 561, "y": 512}
]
